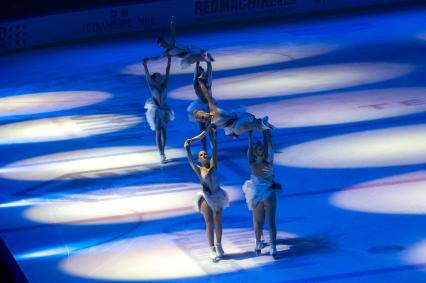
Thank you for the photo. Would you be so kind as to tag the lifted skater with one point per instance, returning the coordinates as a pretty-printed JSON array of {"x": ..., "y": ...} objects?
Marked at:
[
  {"x": 188, "y": 54},
  {"x": 234, "y": 122}
]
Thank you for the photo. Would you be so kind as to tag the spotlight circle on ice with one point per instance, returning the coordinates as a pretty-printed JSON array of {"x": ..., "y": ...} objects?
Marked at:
[
  {"x": 295, "y": 81},
  {"x": 345, "y": 107},
  {"x": 122, "y": 205},
  {"x": 416, "y": 254},
  {"x": 43, "y": 102},
  {"x": 179, "y": 254},
  {"x": 236, "y": 57},
  {"x": 64, "y": 128},
  {"x": 88, "y": 163},
  {"x": 403, "y": 194},
  {"x": 395, "y": 146}
]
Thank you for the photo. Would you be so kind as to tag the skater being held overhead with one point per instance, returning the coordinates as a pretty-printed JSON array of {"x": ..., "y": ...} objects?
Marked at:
[
  {"x": 188, "y": 54},
  {"x": 213, "y": 199},
  {"x": 260, "y": 191},
  {"x": 158, "y": 112},
  {"x": 234, "y": 122},
  {"x": 201, "y": 77}
]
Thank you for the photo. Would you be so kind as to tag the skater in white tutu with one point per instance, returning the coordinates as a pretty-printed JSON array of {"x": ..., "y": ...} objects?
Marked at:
[
  {"x": 234, "y": 122},
  {"x": 212, "y": 199},
  {"x": 202, "y": 79},
  {"x": 187, "y": 54},
  {"x": 261, "y": 189},
  {"x": 158, "y": 112}
]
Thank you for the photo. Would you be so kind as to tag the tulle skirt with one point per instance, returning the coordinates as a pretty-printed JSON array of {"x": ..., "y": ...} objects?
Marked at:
[
  {"x": 193, "y": 53},
  {"x": 158, "y": 117},
  {"x": 238, "y": 121},
  {"x": 195, "y": 106},
  {"x": 257, "y": 190},
  {"x": 217, "y": 200}
]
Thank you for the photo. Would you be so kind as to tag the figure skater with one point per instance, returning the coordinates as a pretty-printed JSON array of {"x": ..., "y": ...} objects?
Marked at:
[
  {"x": 187, "y": 54},
  {"x": 212, "y": 200},
  {"x": 260, "y": 191},
  {"x": 234, "y": 122},
  {"x": 201, "y": 77},
  {"x": 158, "y": 112}
]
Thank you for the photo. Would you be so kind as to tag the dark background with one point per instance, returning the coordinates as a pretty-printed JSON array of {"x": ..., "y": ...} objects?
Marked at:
[{"x": 18, "y": 9}]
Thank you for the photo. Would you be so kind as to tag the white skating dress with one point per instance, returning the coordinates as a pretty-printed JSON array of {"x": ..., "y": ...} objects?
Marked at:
[
  {"x": 214, "y": 195},
  {"x": 235, "y": 122},
  {"x": 258, "y": 189},
  {"x": 158, "y": 114},
  {"x": 185, "y": 53}
]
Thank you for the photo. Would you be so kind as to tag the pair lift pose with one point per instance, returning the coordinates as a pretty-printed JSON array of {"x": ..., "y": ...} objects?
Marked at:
[{"x": 260, "y": 190}]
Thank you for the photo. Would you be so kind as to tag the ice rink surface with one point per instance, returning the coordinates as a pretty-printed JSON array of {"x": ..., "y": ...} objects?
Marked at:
[{"x": 84, "y": 198}]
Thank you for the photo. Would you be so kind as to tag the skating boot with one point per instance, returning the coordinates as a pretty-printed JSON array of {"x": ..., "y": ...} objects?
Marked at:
[
  {"x": 273, "y": 251},
  {"x": 213, "y": 255},
  {"x": 219, "y": 250},
  {"x": 258, "y": 248}
]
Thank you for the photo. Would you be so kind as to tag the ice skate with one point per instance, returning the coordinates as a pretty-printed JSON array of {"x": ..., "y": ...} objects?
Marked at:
[
  {"x": 163, "y": 159},
  {"x": 219, "y": 250},
  {"x": 273, "y": 251},
  {"x": 213, "y": 255},
  {"x": 258, "y": 248}
]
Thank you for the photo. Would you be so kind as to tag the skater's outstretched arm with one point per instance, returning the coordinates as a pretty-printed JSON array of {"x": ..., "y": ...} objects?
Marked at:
[
  {"x": 201, "y": 135},
  {"x": 166, "y": 80},
  {"x": 250, "y": 155},
  {"x": 214, "y": 142},
  {"x": 147, "y": 74},
  {"x": 187, "y": 146},
  {"x": 267, "y": 143}
]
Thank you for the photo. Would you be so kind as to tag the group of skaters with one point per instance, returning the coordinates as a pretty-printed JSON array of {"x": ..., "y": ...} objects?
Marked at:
[{"x": 260, "y": 190}]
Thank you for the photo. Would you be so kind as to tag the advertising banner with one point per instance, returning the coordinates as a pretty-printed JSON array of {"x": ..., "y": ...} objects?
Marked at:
[{"x": 148, "y": 16}]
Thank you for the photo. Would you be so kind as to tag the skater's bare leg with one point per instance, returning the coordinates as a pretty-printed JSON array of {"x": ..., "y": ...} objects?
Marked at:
[
  {"x": 270, "y": 209},
  {"x": 218, "y": 225},
  {"x": 258, "y": 220},
  {"x": 163, "y": 139},
  {"x": 158, "y": 140},
  {"x": 208, "y": 218},
  {"x": 218, "y": 228},
  {"x": 202, "y": 127}
]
